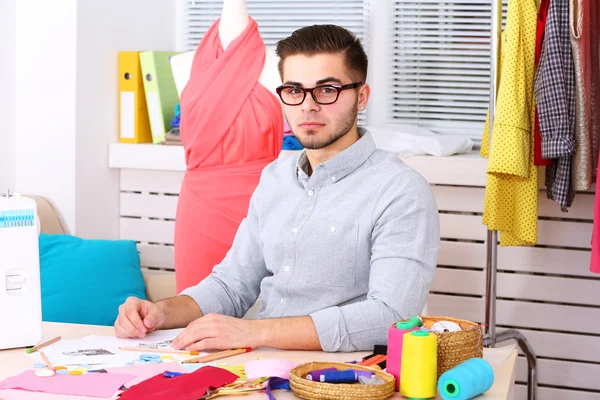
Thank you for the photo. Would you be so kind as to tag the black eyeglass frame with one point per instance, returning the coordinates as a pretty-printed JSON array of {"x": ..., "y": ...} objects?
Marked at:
[{"x": 338, "y": 88}]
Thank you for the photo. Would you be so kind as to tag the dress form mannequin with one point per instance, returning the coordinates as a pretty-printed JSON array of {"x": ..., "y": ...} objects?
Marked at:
[
  {"x": 231, "y": 128},
  {"x": 234, "y": 19}
]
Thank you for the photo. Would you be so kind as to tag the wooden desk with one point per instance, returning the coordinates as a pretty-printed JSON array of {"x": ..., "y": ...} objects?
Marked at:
[{"x": 15, "y": 361}]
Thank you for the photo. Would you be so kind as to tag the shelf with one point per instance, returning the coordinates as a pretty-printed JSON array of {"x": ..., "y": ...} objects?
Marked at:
[{"x": 452, "y": 170}]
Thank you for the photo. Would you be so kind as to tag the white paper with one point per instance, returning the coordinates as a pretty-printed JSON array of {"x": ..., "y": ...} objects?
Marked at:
[
  {"x": 104, "y": 352},
  {"x": 127, "y": 115},
  {"x": 155, "y": 113}
]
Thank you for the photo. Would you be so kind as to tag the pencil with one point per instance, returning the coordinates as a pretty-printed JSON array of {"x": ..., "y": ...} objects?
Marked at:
[
  {"x": 41, "y": 346},
  {"x": 216, "y": 356},
  {"x": 48, "y": 363},
  {"x": 166, "y": 351}
]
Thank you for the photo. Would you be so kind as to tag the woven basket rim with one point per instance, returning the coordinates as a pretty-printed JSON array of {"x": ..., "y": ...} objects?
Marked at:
[
  {"x": 456, "y": 347},
  {"x": 315, "y": 390}
]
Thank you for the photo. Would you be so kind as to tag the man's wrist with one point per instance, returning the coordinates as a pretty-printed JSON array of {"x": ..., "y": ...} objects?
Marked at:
[{"x": 260, "y": 330}]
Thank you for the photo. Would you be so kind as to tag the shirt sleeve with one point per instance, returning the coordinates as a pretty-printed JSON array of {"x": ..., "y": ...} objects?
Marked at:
[
  {"x": 234, "y": 284},
  {"x": 405, "y": 247}
]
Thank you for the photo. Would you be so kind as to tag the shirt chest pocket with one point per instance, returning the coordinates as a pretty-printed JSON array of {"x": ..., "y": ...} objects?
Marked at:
[{"x": 328, "y": 252}]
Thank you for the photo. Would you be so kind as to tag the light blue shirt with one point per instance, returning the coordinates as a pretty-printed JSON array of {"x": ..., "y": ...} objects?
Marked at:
[{"x": 354, "y": 246}]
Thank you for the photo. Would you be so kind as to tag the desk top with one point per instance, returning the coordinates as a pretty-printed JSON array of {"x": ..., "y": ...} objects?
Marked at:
[{"x": 14, "y": 361}]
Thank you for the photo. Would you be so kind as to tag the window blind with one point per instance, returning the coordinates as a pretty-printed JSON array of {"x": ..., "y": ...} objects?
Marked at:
[
  {"x": 277, "y": 19},
  {"x": 440, "y": 61}
]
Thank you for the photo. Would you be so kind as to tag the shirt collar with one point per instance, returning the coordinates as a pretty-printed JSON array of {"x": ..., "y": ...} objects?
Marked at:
[{"x": 343, "y": 163}]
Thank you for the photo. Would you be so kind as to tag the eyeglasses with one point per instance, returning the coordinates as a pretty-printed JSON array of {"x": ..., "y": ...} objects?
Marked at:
[{"x": 322, "y": 94}]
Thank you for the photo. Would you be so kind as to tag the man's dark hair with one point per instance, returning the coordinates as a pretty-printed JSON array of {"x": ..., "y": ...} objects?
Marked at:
[{"x": 318, "y": 39}]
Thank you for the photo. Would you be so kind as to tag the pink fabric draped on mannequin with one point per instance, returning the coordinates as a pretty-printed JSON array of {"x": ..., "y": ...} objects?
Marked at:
[{"x": 231, "y": 128}]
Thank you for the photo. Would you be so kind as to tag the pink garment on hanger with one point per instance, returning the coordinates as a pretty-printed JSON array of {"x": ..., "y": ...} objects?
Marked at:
[{"x": 231, "y": 128}]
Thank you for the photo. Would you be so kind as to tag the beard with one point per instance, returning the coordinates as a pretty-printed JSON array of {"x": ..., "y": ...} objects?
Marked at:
[{"x": 310, "y": 139}]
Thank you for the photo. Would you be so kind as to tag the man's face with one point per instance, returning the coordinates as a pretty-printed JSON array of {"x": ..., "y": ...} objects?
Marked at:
[{"x": 317, "y": 126}]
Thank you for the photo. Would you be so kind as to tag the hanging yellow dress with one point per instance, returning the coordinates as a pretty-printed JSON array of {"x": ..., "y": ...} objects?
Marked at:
[{"x": 511, "y": 195}]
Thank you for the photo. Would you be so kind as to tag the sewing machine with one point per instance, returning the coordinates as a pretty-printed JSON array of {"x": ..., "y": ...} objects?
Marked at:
[{"x": 20, "y": 290}]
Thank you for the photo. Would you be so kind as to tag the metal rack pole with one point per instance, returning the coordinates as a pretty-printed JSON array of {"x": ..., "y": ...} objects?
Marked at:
[{"x": 491, "y": 338}]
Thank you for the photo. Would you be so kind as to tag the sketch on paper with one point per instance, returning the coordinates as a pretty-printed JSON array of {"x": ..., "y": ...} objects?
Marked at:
[
  {"x": 156, "y": 346},
  {"x": 88, "y": 352}
]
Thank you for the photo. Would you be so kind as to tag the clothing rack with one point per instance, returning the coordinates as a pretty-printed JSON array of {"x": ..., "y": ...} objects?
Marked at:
[{"x": 491, "y": 337}]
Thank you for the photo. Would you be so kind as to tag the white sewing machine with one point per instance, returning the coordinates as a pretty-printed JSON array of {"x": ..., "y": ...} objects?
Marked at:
[{"x": 20, "y": 290}]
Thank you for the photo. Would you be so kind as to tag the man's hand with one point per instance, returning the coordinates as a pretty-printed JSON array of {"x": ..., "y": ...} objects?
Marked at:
[
  {"x": 138, "y": 318},
  {"x": 214, "y": 331}
]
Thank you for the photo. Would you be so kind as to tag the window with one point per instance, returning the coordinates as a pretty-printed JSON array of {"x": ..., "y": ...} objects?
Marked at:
[
  {"x": 277, "y": 19},
  {"x": 440, "y": 61},
  {"x": 429, "y": 60}
]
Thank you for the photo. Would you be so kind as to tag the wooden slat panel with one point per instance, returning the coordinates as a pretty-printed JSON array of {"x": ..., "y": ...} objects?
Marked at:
[
  {"x": 470, "y": 199},
  {"x": 145, "y": 230},
  {"x": 159, "y": 284},
  {"x": 550, "y": 261},
  {"x": 562, "y": 233},
  {"x": 526, "y": 259},
  {"x": 458, "y": 198},
  {"x": 139, "y": 180},
  {"x": 157, "y": 256},
  {"x": 463, "y": 169},
  {"x": 146, "y": 156},
  {"x": 566, "y": 374},
  {"x": 546, "y": 393},
  {"x": 466, "y": 227},
  {"x": 563, "y": 345},
  {"x": 148, "y": 205},
  {"x": 519, "y": 286},
  {"x": 518, "y": 313},
  {"x": 461, "y": 254},
  {"x": 552, "y": 233}
]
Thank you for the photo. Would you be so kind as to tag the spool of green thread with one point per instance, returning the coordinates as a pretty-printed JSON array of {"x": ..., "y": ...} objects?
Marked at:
[
  {"x": 404, "y": 325},
  {"x": 415, "y": 321}
]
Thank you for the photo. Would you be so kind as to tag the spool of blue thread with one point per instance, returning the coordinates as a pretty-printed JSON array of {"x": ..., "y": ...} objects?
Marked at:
[
  {"x": 347, "y": 376},
  {"x": 316, "y": 374},
  {"x": 358, "y": 372},
  {"x": 170, "y": 374},
  {"x": 467, "y": 380}
]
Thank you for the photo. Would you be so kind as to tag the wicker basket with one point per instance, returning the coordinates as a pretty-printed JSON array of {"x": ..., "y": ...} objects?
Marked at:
[
  {"x": 454, "y": 348},
  {"x": 311, "y": 390}
]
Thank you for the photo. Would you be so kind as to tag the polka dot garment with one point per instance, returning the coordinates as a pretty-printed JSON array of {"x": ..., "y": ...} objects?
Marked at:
[{"x": 511, "y": 196}]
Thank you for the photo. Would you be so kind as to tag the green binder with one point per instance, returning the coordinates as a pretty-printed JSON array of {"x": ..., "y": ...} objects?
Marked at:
[{"x": 160, "y": 89}]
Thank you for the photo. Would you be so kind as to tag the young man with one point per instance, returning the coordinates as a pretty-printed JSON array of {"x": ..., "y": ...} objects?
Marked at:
[{"x": 339, "y": 242}]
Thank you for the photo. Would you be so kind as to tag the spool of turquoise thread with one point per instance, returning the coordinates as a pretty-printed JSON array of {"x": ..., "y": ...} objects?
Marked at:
[{"x": 467, "y": 380}]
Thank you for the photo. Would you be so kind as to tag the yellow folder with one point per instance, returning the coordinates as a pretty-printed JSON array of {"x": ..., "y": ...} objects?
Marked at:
[
  {"x": 134, "y": 124},
  {"x": 161, "y": 92}
]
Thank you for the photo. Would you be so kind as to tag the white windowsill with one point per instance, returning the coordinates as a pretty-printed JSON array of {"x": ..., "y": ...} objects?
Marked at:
[{"x": 462, "y": 169}]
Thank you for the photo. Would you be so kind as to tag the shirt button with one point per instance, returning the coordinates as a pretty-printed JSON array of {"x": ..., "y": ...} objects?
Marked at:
[
  {"x": 282, "y": 301},
  {"x": 332, "y": 229},
  {"x": 333, "y": 178},
  {"x": 286, "y": 268},
  {"x": 311, "y": 192},
  {"x": 295, "y": 230}
]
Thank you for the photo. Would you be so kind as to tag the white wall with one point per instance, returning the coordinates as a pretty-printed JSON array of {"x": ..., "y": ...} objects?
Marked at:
[
  {"x": 45, "y": 102},
  {"x": 67, "y": 87},
  {"x": 105, "y": 28},
  {"x": 7, "y": 94}
]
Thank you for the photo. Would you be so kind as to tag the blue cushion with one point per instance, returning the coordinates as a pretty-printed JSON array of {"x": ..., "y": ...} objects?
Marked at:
[{"x": 85, "y": 281}]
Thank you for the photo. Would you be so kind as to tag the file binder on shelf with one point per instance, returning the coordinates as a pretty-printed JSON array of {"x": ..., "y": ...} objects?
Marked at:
[
  {"x": 134, "y": 125},
  {"x": 161, "y": 92}
]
